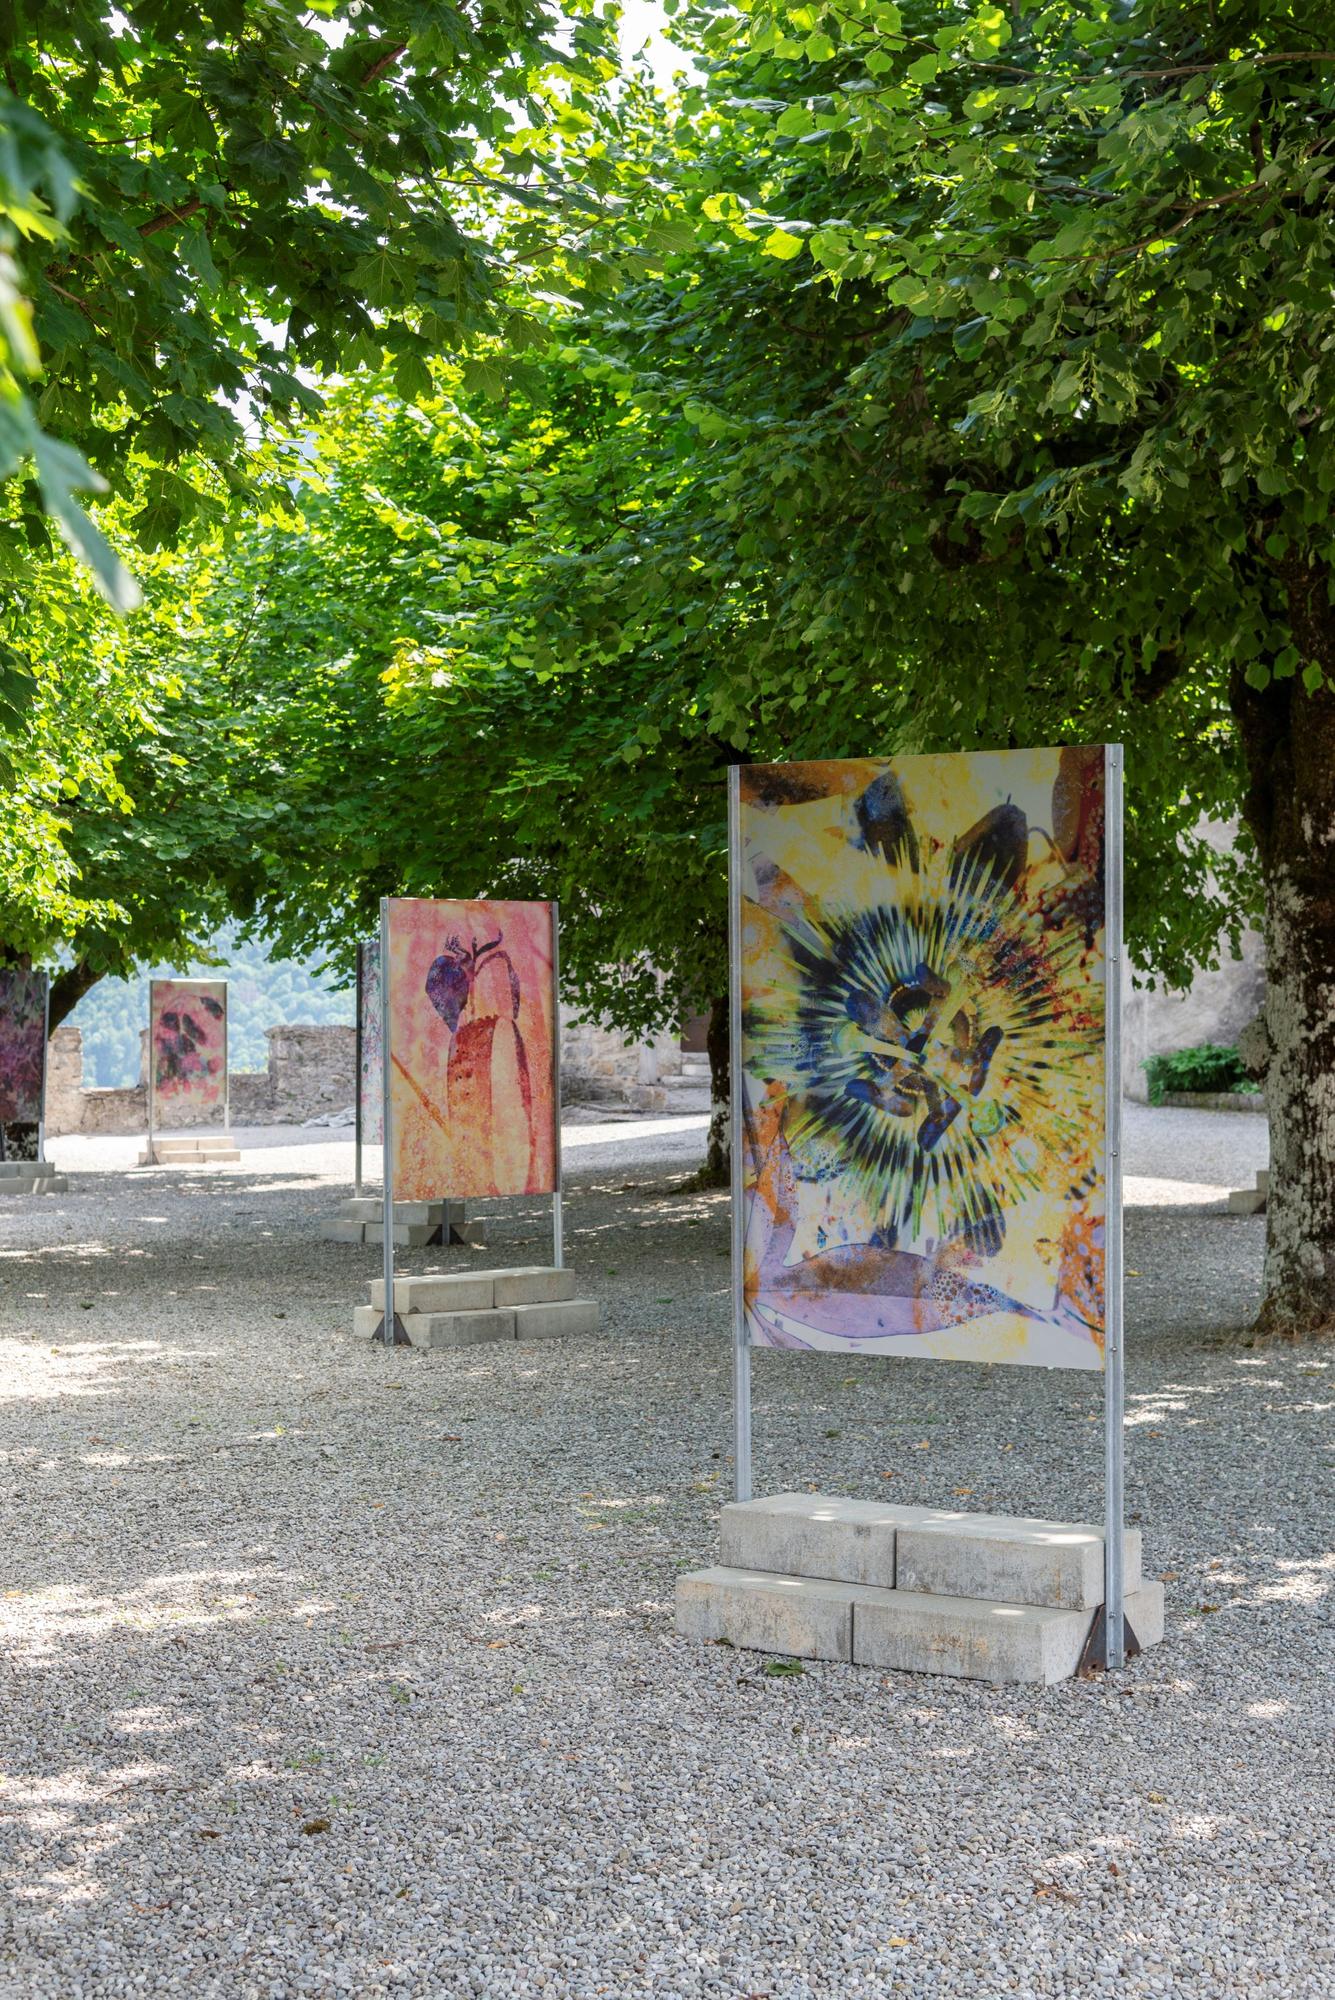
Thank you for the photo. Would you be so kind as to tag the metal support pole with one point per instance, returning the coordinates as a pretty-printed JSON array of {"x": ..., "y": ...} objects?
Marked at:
[
  {"x": 357, "y": 1080},
  {"x": 46, "y": 1062},
  {"x": 558, "y": 1222},
  {"x": 389, "y": 1319},
  {"x": 741, "y": 1351},
  {"x": 1114, "y": 1386},
  {"x": 152, "y": 1066}
]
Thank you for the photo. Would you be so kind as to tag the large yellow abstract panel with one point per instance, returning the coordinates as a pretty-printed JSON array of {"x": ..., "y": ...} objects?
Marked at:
[{"x": 922, "y": 1061}]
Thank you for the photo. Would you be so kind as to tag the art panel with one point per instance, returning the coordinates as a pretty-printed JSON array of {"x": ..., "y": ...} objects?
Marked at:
[
  {"x": 22, "y": 1044},
  {"x": 472, "y": 1049},
  {"x": 370, "y": 1071},
  {"x": 922, "y": 1055},
  {"x": 188, "y": 1042}
]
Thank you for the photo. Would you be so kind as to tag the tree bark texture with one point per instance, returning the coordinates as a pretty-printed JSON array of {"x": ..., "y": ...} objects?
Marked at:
[
  {"x": 718, "y": 1167},
  {"x": 1289, "y": 739},
  {"x": 68, "y": 989}
]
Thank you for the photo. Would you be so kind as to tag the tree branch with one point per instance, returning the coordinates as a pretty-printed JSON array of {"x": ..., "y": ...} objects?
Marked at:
[
  {"x": 170, "y": 216},
  {"x": 381, "y": 64}
]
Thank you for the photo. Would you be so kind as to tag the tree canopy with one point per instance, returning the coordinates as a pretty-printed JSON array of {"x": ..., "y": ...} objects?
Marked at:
[
  {"x": 206, "y": 208},
  {"x": 960, "y": 379}
]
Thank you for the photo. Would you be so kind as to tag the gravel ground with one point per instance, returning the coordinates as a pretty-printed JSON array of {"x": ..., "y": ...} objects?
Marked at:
[{"x": 340, "y": 1671}]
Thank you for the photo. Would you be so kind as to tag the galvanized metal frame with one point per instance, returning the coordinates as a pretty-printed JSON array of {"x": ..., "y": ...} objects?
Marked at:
[
  {"x": 558, "y": 1218},
  {"x": 152, "y": 1067},
  {"x": 389, "y": 1316},
  {"x": 1114, "y": 1531},
  {"x": 357, "y": 1084},
  {"x": 741, "y": 1347},
  {"x": 46, "y": 1063},
  {"x": 1114, "y": 1376}
]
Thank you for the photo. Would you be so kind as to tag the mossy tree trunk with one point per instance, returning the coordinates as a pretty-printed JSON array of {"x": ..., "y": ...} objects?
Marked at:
[{"x": 1289, "y": 737}]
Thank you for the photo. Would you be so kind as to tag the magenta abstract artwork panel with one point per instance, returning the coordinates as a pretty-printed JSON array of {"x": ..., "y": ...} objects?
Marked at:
[
  {"x": 22, "y": 1044},
  {"x": 472, "y": 1046},
  {"x": 188, "y": 1041},
  {"x": 370, "y": 1070}
]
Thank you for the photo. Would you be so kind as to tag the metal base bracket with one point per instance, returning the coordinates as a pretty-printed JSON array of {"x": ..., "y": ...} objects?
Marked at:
[
  {"x": 1094, "y": 1652},
  {"x": 400, "y": 1338}
]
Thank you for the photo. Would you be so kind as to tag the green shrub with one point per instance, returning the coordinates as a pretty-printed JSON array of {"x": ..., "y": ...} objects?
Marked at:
[{"x": 1206, "y": 1068}]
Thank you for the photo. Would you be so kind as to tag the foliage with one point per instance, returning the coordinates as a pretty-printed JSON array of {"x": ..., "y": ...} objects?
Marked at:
[
  {"x": 1087, "y": 444},
  {"x": 135, "y": 829},
  {"x": 421, "y": 738},
  {"x": 1206, "y": 1068},
  {"x": 262, "y": 993},
  {"x": 214, "y": 205}
]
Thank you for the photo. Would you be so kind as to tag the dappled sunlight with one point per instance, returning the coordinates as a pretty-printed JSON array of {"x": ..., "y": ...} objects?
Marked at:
[
  {"x": 1146, "y": 1191},
  {"x": 1300, "y": 1582},
  {"x": 34, "y": 1622},
  {"x": 32, "y": 1372},
  {"x": 75, "y": 1253}
]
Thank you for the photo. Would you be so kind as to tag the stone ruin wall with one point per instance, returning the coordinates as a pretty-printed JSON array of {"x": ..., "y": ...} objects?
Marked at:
[{"x": 310, "y": 1071}]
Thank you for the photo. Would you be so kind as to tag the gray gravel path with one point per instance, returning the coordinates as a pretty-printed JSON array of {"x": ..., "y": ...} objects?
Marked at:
[{"x": 332, "y": 1671}]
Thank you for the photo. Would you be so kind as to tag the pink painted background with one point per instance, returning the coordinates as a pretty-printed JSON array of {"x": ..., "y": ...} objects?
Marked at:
[
  {"x": 473, "y": 1102},
  {"x": 22, "y": 1044},
  {"x": 189, "y": 1041},
  {"x": 370, "y": 1083}
]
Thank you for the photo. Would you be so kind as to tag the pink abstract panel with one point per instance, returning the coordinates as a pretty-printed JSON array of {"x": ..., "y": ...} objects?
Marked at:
[
  {"x": 370, "y": 1082},
  {"x": 22, "y": 1044},
  {"x": 472, "y": 1041},
  {"x": 189, "y": 1042}
]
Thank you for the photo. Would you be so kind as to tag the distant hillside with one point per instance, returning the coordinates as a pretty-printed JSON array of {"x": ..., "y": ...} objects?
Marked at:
[{"x": 261, "y": 993}]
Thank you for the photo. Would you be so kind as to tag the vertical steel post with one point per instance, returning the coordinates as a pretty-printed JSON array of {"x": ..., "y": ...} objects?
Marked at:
[
  {"x": 357, "y": 1079},
  {"x": 388, "y": 1317},
  {"x": 152, "y": 1065},
  {"x": 46, "y": 1063},
  {"x": 741, "y": 1351},
  {"x": 1114, "y": 1386},
  {"x": 558, "y": 1219}
]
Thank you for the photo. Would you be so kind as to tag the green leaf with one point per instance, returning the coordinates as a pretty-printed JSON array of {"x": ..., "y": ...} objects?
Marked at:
[{"x": 782, "y": 243}]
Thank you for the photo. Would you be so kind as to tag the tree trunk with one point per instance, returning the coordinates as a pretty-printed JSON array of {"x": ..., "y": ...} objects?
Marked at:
[
  {"x": 717, "y": 1169},
  {"x": 68, "y": 988},
  {"x": 1289, "y": 739}
]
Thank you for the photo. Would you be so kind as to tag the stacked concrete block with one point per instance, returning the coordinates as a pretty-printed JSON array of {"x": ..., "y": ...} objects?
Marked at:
[
  {"x": 210, "y": 1152},
  {"x": 361, "y": 1219},
  {"x": 467, "y": 1308},
  {"x": 1251, "y": 1201},
  {"x": 991, "y": 1597},
  {"x": 31, "y": 1177}
]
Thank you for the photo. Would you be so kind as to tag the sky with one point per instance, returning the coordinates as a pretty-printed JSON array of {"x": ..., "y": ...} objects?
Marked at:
[{"x": 644, "y": 21}]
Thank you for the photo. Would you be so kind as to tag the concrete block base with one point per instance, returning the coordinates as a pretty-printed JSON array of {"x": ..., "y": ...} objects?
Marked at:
[
  {"x": 798, "y": 1615},
  {"x": 361, "y": 1219},
  {"x": 31, "y": 1177},
  {"x": 546, "y": 1322},
  {"x": 189, "y": 1152},
  {"x": 991, "y": 1597},
  {"x": 458, "y": 1329},
  {"x": 464, "y": 1308},
  {"x": 983, "y": 1640},
  {"x": 1247, "y": 1201},
  {"x": 939, "y": 1549}
]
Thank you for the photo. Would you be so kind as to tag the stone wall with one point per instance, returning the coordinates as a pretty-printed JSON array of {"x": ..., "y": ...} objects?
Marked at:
[
  {"x": 310, "y": 1071},
  {"x": 1216, "y": 1007},
  {"x": 600, "y": 1066}
]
